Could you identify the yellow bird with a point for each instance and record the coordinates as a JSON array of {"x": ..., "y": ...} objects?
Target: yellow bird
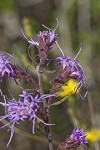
[{"x": 70, "y": 87}]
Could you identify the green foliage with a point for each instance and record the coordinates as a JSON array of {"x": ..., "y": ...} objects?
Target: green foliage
[
  {"x": 72, "y": 17},
  {"x": 95, "y": 7},
  {"x": 34, "y": 24},
  {"x": 7, "y": 5}
]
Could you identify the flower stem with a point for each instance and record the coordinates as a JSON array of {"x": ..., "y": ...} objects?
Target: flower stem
[{"x": 46, "y": 109}]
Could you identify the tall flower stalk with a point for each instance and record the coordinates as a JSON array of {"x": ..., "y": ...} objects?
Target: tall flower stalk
[{"x": 35, "y": 106}]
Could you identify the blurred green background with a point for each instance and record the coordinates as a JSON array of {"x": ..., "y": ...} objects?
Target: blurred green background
[{"x": 79, "y": 21}]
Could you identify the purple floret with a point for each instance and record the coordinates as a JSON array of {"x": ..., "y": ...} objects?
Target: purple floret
[
  {"x": 78, "y": 135},
  {"x": 70, "y": 68},
  {"x": 6, "y": 66},
  {"x": 27, "y": 107},
  {"x": 46, "y": 39},
  {"x": 77, "y": 138}
]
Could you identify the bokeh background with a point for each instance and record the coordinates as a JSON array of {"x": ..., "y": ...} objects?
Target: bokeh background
[{"x": 79, "y": 21}]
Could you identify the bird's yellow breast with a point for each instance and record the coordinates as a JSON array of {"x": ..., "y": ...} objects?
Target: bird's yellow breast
[{"x": 70, "y": 87}]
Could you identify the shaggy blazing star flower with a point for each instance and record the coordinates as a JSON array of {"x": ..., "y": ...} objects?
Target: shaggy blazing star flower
[
  {"x": 15, "y": 111},
  {"x": 6, "y": 66},
  {"x": 46, "y": 39},
  {"x": 78, "y": 137},
  {"x": 51, "y": 37},
  {"x": 26, "y": 107},
  {"x": 72, "y": 75},
  {"x": 71, "y": 68},
  {"x": 70, "y": 78}
]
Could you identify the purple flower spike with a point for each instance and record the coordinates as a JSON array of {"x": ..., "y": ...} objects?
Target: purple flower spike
[
  {"x": 78, "y": 137},
  {"x": 73, "y": 68},
  {"x": 46, "y": 40},
  {"x": 6, "y": 66},
  {"x": 16, "y": 111},
  {"x": 27, "y": 107},
  {"x": 69, "y": 69},
  {"x": 44, "y": 43},
  {"x": 50, "y": 37}
]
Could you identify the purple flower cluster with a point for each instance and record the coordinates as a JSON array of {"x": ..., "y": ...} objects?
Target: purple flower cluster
[
  {"x": 26, "y": 107},
  {"x": 44, "y": 43},
  {"x": 5, "y": 66},
  {"x": 46, "y": 39},
  {"x": 78, "y": 137},
  {"x": 70, "y": 68}
]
